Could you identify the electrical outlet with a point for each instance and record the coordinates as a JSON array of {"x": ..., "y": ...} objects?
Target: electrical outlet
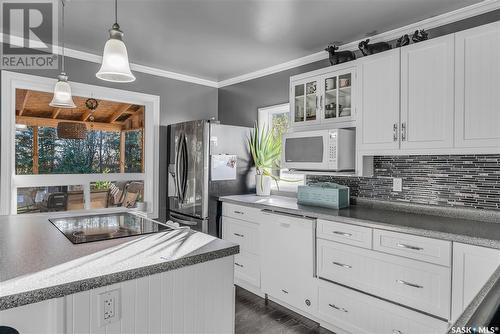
[
  {"x": 108, "y": 307},
  {"x": 397, "y": 184}
]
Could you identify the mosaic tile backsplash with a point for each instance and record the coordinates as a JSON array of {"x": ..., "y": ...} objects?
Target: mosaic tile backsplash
[{"x": 446, "y": 180}]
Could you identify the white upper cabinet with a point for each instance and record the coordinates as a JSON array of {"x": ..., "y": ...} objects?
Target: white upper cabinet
[
  {"x": 304, "y": 101},
  {"x": 378, "y": 120},
  {"x": 477, "y": 101},
  {"x": 427, "y": 91},
  {"x": 325, "y": 96}
]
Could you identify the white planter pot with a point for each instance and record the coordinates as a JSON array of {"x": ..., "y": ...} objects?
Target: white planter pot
[
  {"x": 263, "y": 185},
  {"x": 141, "y": 206}
]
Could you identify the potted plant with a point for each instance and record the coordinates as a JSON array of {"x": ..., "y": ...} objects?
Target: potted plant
[
  {"x": 139, "y": 203},
  {"x": 265, "y": 148}
]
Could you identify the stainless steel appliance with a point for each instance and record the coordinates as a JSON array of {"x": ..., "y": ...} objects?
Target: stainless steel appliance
[
  {"x": 324, "y": 150},
  {"x": 206, "y": 160},
  {"x": 84, "y": 229}
]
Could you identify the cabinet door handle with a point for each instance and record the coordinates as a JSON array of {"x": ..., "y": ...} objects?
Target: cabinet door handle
[
  {"x": 338, "y": 308},
  {"x": 239, "y": 265},
  {"x": 239, "y": 212},
  {"x": 342, "y": 265},
  {"x": 239, "y": 235},
  {"x": 403, "y": 131},
  {"x": 413, "y": 285},
  {"x": 410, "y": 247},
  {"x": 345, "y": 234},
  {"x": 321, "y": 102},
  {"x": 395, "y": 132},
  {"x": 284, "y": 291}
]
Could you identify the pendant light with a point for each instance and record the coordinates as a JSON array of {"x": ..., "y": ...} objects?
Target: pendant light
[
  {"x": 62, "y": 90},
  {"x": 115, "y": 66}
]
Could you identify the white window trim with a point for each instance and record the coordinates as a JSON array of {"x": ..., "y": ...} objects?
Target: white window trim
[
  {"x": 264, "y": 117},
  {"x": 264, "y": 114},
  {"x": 9, "y": 181}
]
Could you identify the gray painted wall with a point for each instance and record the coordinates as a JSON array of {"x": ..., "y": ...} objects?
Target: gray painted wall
[
  {"x": 238, "y": 103},
  {"x": 179, "y": 101}
]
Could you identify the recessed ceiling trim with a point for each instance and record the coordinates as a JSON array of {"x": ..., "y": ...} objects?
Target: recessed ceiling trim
[{"x": 432, "y": 22}]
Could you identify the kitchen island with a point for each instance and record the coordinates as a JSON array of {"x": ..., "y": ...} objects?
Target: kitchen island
[{"x": 177, "y": 281}]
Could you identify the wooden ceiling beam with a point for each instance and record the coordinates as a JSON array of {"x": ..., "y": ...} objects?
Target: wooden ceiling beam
[
  {"x": 52, "y": 123},
  {"x": 118, "y": 113},
  {"x": 86, "y": 115},
  {"x": 25, "y": 100},
  {"x": 55, "y": 113}
]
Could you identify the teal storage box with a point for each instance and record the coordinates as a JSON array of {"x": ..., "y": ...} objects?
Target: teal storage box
[{"x": 324, "y": 194}]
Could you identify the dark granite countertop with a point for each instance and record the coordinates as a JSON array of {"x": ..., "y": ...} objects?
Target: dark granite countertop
[
  {"x": 369, "y": 214},
  {"x": 38, "y": 262}
]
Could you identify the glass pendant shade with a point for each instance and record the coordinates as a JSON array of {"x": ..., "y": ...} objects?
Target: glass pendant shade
[
  {"x": 62, "y": 93},
  {"x": 115, "y": 66}
]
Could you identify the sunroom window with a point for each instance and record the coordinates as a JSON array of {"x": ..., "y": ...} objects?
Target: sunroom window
[{"x": 89, "y": 157}]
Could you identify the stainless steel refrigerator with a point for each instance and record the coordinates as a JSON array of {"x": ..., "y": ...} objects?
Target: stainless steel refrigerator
[{"x": 206, "y": 160}]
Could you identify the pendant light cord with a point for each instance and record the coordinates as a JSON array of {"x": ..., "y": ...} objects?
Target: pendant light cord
[
  {"x": 62, "y": 1},
  {"x": 116, "y": 11}
]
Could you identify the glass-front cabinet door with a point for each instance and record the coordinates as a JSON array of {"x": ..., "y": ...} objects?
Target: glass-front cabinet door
[
  {"x": 338, "y": 97},
  {"x": 305, "y": 102}
]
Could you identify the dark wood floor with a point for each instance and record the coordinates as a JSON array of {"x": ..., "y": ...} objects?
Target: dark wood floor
[{"x": 253, "y": 316}]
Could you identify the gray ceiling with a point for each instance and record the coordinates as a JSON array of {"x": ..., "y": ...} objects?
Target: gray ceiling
[{"x": 221, "y": 39}]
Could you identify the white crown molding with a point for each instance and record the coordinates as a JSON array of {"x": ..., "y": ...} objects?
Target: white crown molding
[
  {"x": 93, "y": 58},
  {"x": 140, "y": 68},
  {"x": 432, "y": 22}
]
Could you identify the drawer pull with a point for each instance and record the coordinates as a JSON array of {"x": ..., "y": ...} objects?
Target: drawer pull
[
  {"x": 284, "y": 291},
  {"x": 410, "y": 247},
  {"x": 345, "y": 234},
  {"x": 238, "y": 212},
  {"x": 239, "y": 265},
  {"x": 239, "y": 235},
  {"x": 396, "y": 331},
  {"x": 342, "y": 265},
  {"x": 413, "y": 285},
  {"x": 338, "y": 308}
]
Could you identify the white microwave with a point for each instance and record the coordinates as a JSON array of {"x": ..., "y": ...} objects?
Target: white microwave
[{"x": 322, "y": 150}]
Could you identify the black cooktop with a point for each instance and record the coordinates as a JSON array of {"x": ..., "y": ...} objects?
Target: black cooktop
[{"x": 107, "y": 226}]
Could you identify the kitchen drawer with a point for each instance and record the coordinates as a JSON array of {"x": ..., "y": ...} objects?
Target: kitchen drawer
[
  {"x": 241, "y": 212},
  {"x": 412, "y": 246},
  {"x": 345, "y": 233},
  {"x": 358, "y": 313},
  {"x": 241, "y": 232},
  {"x": 247, "y": 268},
  {"x": 420, "y": 285}
]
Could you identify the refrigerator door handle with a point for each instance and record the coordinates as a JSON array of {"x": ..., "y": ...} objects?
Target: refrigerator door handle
[
  {"x": 177, "y": 219},
  {"x": 177, "y": 171},
  {"x": 184, "y": 167}
]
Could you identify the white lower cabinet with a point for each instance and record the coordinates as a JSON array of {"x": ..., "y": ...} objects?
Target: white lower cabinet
[
  {"x": 420, "y": 285},
  {"x": 247, "y": 268},
  {"x": 288, "y": 261},
  {"x": 358, "y": 313},
  {"x": 244, "y": 231},
  {"x": 472, "y": 267}
]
